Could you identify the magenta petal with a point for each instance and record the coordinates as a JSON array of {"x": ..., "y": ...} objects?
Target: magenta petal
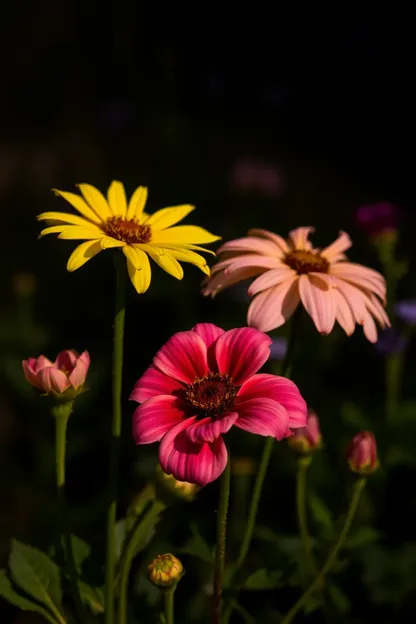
[
  {"x": 155, "y": 417},
  {"x": 191, "y": 462},
  {"x": 66, "y": 359},
  {"x": 183, "y": 357},
  {"x": 208, "y": 332},
  {"x": 53, "y": 380},
  {"x": 241, "y": 352},
  {"x": 280, "y": 389},
  {"x": 263, "y": 417},
  {"x": 153, "y": 383},
  {"x": 208, "y": 430}
]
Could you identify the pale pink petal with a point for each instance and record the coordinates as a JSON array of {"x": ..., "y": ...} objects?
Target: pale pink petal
[
  {"x": 246, "y": 261},
  {"x": 273, "y": 277},
  {"x": 369, "y": 327},
  {"x": 154, "y": 383},
  {"x": 319, "y": 303},
  {"x": 29, "y": 371},
  {"x": 263, "y": 417},
  {"x": 273, "y": 307},
  {"x": 278, "y": 240},
  {"x": 354, "y": 298},
  {"x": 360, "y": 276},
  {"x": 53, "y": 380},
  {"x": 43, "y": 362},
  {"x": 208, "y": 430},
  {"x": 66, "y": 360},
  {"x": 79, "y": 374},
  {"x": 155, "y": 417},
  {"x": 219, "y": 281},
  {"x": 241, "y": 352},
  {"x": 183, "y": 357},
  {"x": 189, "y": 461},
  {"x": 343, "y": 313},
  {"x": 208, "y": 332},
  {"x": 299, "y": 237},
  {"x": 281, "y": 390},
  {"x": 374, "y": 306},
  {"x": 332, "y": 252},
  {"x": 250, "y": 244}
]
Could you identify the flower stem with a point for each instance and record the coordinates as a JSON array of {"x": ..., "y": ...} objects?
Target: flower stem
[
  {"x": 358, "y": 487},
  {"x": 169, "y": 593},
  {"x": 62, "y": 412},
  {"x": 221, "y": 537},
  {"x": 303, "y": 464},
  {"x": 393, "y": 374},
  {"x": 140, "y": 532},
  {"x": 115, "y": 436}
]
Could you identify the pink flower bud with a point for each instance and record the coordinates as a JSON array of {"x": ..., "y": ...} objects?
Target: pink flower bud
[
  {"x": 68, "y": 372},
  {"x": 307, "y": 439},
  {"x": 362, "y": 453}
]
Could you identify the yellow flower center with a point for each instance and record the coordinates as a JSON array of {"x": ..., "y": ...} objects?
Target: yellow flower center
[
  {"x": 129, "y": 231},
  {"x": 212, "y": 394},
  {"x": 306, "y": 262}
]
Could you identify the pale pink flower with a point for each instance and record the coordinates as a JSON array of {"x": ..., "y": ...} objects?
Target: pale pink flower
[
  {"x": 307, "y": 439},
  {"x": 291, "y": 272},
  {"x": 362, "y": 453},
  {"x": 68, "y": 371},
  {"x": 200, "y": 384}
]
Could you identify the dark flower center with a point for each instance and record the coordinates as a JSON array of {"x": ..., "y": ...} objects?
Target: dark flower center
[
  {"x": 127, "y": 230},
  {"x": 306, "y": 262},
  {"x": 211, "y": 394}
]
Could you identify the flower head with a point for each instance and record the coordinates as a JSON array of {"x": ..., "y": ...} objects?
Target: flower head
[
  {"x": 200, "y": 384},
  {"x": 63, "y": 378},
  {"x": 291, "y": 272},
  {"x": 165, "y": 570},
  {"x": 107, "y": 223},
  {"x": 180, "y": 489},
  {"x": 406, "y": 311},
  {"x": 378, "y": 219},
  {"x": 307, "y": 439},
  {"x": 362, "y": 453}
]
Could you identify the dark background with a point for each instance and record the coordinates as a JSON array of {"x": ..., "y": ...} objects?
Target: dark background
[{"x": 174, "y": 98}]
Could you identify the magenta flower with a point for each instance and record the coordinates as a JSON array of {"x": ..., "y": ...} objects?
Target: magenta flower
[
  {"x": 376, "y": 219},
  {"x": 362, "y": 453},
  {"x": 309, "y": 438},
  {"x": 69, "y": 371},
  {"x": 200, "y": 384}
]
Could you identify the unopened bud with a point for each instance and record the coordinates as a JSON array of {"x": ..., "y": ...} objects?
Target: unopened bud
[
  {"x": 181, "y": 489},
  {"x": 307, "y": 439},
  {"x": 165, "y": 571},
  {"x": 362, "y": 453}
]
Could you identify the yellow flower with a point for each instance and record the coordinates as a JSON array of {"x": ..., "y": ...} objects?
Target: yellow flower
[{"x": 112, "y": 222}]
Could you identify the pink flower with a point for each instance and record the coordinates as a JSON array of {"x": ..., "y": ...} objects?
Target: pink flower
[
  {"x": 69, "y": 371},
  {"x": 291, "y": 272},
  {"x": 200, "y": 384},
  {"x": 362, "y": 453},
  {"x": 307, "y": 439}
]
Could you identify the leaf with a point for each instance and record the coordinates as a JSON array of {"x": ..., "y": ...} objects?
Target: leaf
[
  {"x": 120, "y": 534},
  {"x": 8, "y": 593},
  {"x": 312, "y": 604},
  {"x": 263, "y": 579},
  {"x": 37, "y": 575},
  {"x": 362, "y": 537},
  {"x": 353, "y": 415},
  {"x": 320, "y": 511},
  {"x": 198, "y": 547},
  {"x": 81, "y": 550},
  {"x": 339, "y": 598},
  {"x": 92, "y": 596}
]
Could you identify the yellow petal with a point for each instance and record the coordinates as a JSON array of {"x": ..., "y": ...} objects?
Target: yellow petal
[
  {"x": 140, "y": 279},
  {"x": 77, "y": 202},
  {"x": 96, "y": 200},
  {"x": 184, "y": 234},
  {"x": 107, "y": 242},
  {"x": 74, "y": 232},
  {"x": 184, "y": 255},
  {"x": 166, "y": 262},
  {"x": 134, "y": 256},
  {"x": 194, "y": 247},
  {"x": 137, "y": 203},
  {"x": 62, "y": 217},
  {"x": 117, "y": 199},
  {"x": 82, "y": 254},
  {"x": 166, "y": 217},
  {"x": 54, "y": 229}
]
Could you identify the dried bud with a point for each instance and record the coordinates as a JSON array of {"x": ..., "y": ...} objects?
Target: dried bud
[
  {"x": 165, "y": 571},
  {"x": 243, "y": 466},
  {"x": 307, "y": 439},
  {"x": 362, "y": 453},
  {"x": 181, "y": 489}
]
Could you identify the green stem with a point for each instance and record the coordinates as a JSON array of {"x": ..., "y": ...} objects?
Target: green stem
[
  {"x": 62, "y": 412},
  {"x": 358, "y": 487},
  {"x": 115, "y": 436},
  {"x": 169, "y": 593},
  {"x": 221, "y": 539},
  {"x": 141, "y": 531},
  {"x": 393, "y": 372},
  {"x": 303, "y": 464}
]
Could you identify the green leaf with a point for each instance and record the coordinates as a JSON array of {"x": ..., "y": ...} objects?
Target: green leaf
[
  {"x": 8, "y": 593},
  {"x": 120, "y": 534},
  {"x": 362, "y": 537},
  {"x": 198, "y": 547},
  {"x": 37, "y": 575},
  {"x": 340, "y": 600},
  {"x": 312, "y": 604},
  {"x": 263, "y": 579},
  {"x": 320, "y": 511},
  {"x": 92, "y": 596},
  {"x": 353, "y": 415},
  {"x": 81, "y": 550}
]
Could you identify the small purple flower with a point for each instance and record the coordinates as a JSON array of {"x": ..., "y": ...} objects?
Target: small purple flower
[
  {"x": 406, "y": 311},
  {"x": 391, "y": 341},
  {"x": 278, "y": 349},
  {"x": 378, "y": 218}
]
